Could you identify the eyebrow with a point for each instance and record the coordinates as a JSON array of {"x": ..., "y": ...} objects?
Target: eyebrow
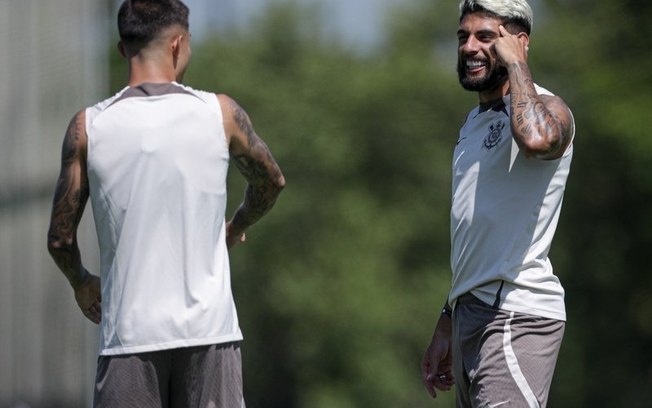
[{"x": 477, "y": 33}]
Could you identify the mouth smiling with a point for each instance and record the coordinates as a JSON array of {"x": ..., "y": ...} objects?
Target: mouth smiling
[{"x": 474, "y": 66}]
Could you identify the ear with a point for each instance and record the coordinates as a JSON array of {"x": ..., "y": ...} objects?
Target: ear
[
  {"x": 176, "y": 45},
  {"x": 176, "y": 48},
  {"x": 121, "y": 49},
  {"x": 524, "y": 38}
]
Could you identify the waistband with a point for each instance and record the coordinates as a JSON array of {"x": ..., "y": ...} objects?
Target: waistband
[{"x": 470, "y": 299}]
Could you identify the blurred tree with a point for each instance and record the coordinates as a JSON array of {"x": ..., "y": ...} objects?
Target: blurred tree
[
  {"x": 596, "y": 54},
  {"x": 338, "y": 289}
]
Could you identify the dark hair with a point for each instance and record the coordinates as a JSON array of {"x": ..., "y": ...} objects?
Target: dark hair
[
  {"x": 516, "y": 15},
  {"x": 140, "y": 21}
]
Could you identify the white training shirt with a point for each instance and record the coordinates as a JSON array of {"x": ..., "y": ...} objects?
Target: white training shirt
[
  {"x": 504, "y": 213},
  {"x": 157, "y": 165}
]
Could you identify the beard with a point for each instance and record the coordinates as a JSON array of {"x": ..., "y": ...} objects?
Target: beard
[{"x": 493, "y": 79}]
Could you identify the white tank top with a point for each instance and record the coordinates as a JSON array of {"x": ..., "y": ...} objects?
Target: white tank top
[
  {"x": 157, "y": 166},
  {"x": 504, "y": 213}
]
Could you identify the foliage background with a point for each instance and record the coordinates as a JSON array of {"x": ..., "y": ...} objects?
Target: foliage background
[{"x": 339, "y": 287}]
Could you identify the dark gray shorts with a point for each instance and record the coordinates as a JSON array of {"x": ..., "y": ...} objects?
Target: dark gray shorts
[
  {"x": 193, "y": 377},
  {"x": 500, "y": 358}
]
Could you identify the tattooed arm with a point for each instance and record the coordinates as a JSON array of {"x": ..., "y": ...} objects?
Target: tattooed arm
[
  {"x": 542, "y": 125},
  {"x": 70, "y": 197},
  {"x": 254, "y": 160}
]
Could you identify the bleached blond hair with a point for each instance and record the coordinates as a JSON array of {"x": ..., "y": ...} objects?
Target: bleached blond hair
[{"x": 517, "y": 12}]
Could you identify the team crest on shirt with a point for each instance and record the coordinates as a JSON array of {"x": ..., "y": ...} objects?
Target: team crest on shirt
[{"x": 495, "y": 135}]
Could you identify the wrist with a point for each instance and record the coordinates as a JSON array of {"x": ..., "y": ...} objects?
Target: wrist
[
  {"x": 79, "y": 278},
  {"x": 517, "y": 65},
  {"x": 240, "y": 221},
  {"x": 445, "y": 323}
]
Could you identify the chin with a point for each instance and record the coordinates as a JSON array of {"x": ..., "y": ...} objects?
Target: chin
[
  {"x": 482, "y": 84},
  {"x": 492, "y": 78},
  {"x": 477, "y": 85}
]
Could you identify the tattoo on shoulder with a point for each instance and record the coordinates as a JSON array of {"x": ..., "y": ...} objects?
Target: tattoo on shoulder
[
  {"x": 243, "y": 121},
  {"x": 73, "y": 136}
]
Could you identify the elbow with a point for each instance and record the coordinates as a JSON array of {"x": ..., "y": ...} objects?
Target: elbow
[
  {"x": 279, "y": 183},
  {"x": 539, "y": 152},
  {"x": 275, "y": 186},
  {"x": 58, "y": 244},
  {"x": 542, "y": 147}
]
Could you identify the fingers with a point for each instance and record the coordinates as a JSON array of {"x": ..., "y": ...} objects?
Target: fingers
[
  {"x": 427, "y": 377},
  {"x": 94, "y": 312},
  {"x": 434, "y": 381},
  {"x": 88, "y": 297},
  {"x": 232, "y": 241},
  {"x": 436, "y": 371},
  {"x": 433, "y": 375},
  {"x": 510, "y": 48},
  {"x": 444, "y": 380}
]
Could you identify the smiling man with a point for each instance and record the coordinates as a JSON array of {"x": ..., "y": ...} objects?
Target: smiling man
[{"x": 499, "y": 333}]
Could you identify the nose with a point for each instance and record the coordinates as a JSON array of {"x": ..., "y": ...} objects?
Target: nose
[{"x": 470, "y": 46}]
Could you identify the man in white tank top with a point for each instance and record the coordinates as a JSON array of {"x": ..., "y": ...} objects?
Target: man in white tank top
[
  {"x": 153, "y": 159},
  {"x": 498, "y": 336}
]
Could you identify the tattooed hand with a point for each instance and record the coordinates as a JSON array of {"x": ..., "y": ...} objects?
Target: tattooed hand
[{"x": 510, "y": 48}]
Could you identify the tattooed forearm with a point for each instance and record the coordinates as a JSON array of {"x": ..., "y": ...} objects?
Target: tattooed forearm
[
  {"x": 253, "y": 208},
  {"x": 70, "y": 197},
  {"x": 261, "y": 192},
  {"x": 68, "y": 200},
  {"x": 535, "y": 127},
  {"x": 258, "y": 165},
  {"x": 254, "y": 160}
]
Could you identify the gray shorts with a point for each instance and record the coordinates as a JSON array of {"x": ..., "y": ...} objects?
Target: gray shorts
[
  {"x": 193, "y": 377},
  {"x": 500, "y": 358}
]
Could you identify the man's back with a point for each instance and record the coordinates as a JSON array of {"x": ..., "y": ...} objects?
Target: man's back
[
  {"x": 153, "y": 160},
  {"x": 157, "y": 164}
]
